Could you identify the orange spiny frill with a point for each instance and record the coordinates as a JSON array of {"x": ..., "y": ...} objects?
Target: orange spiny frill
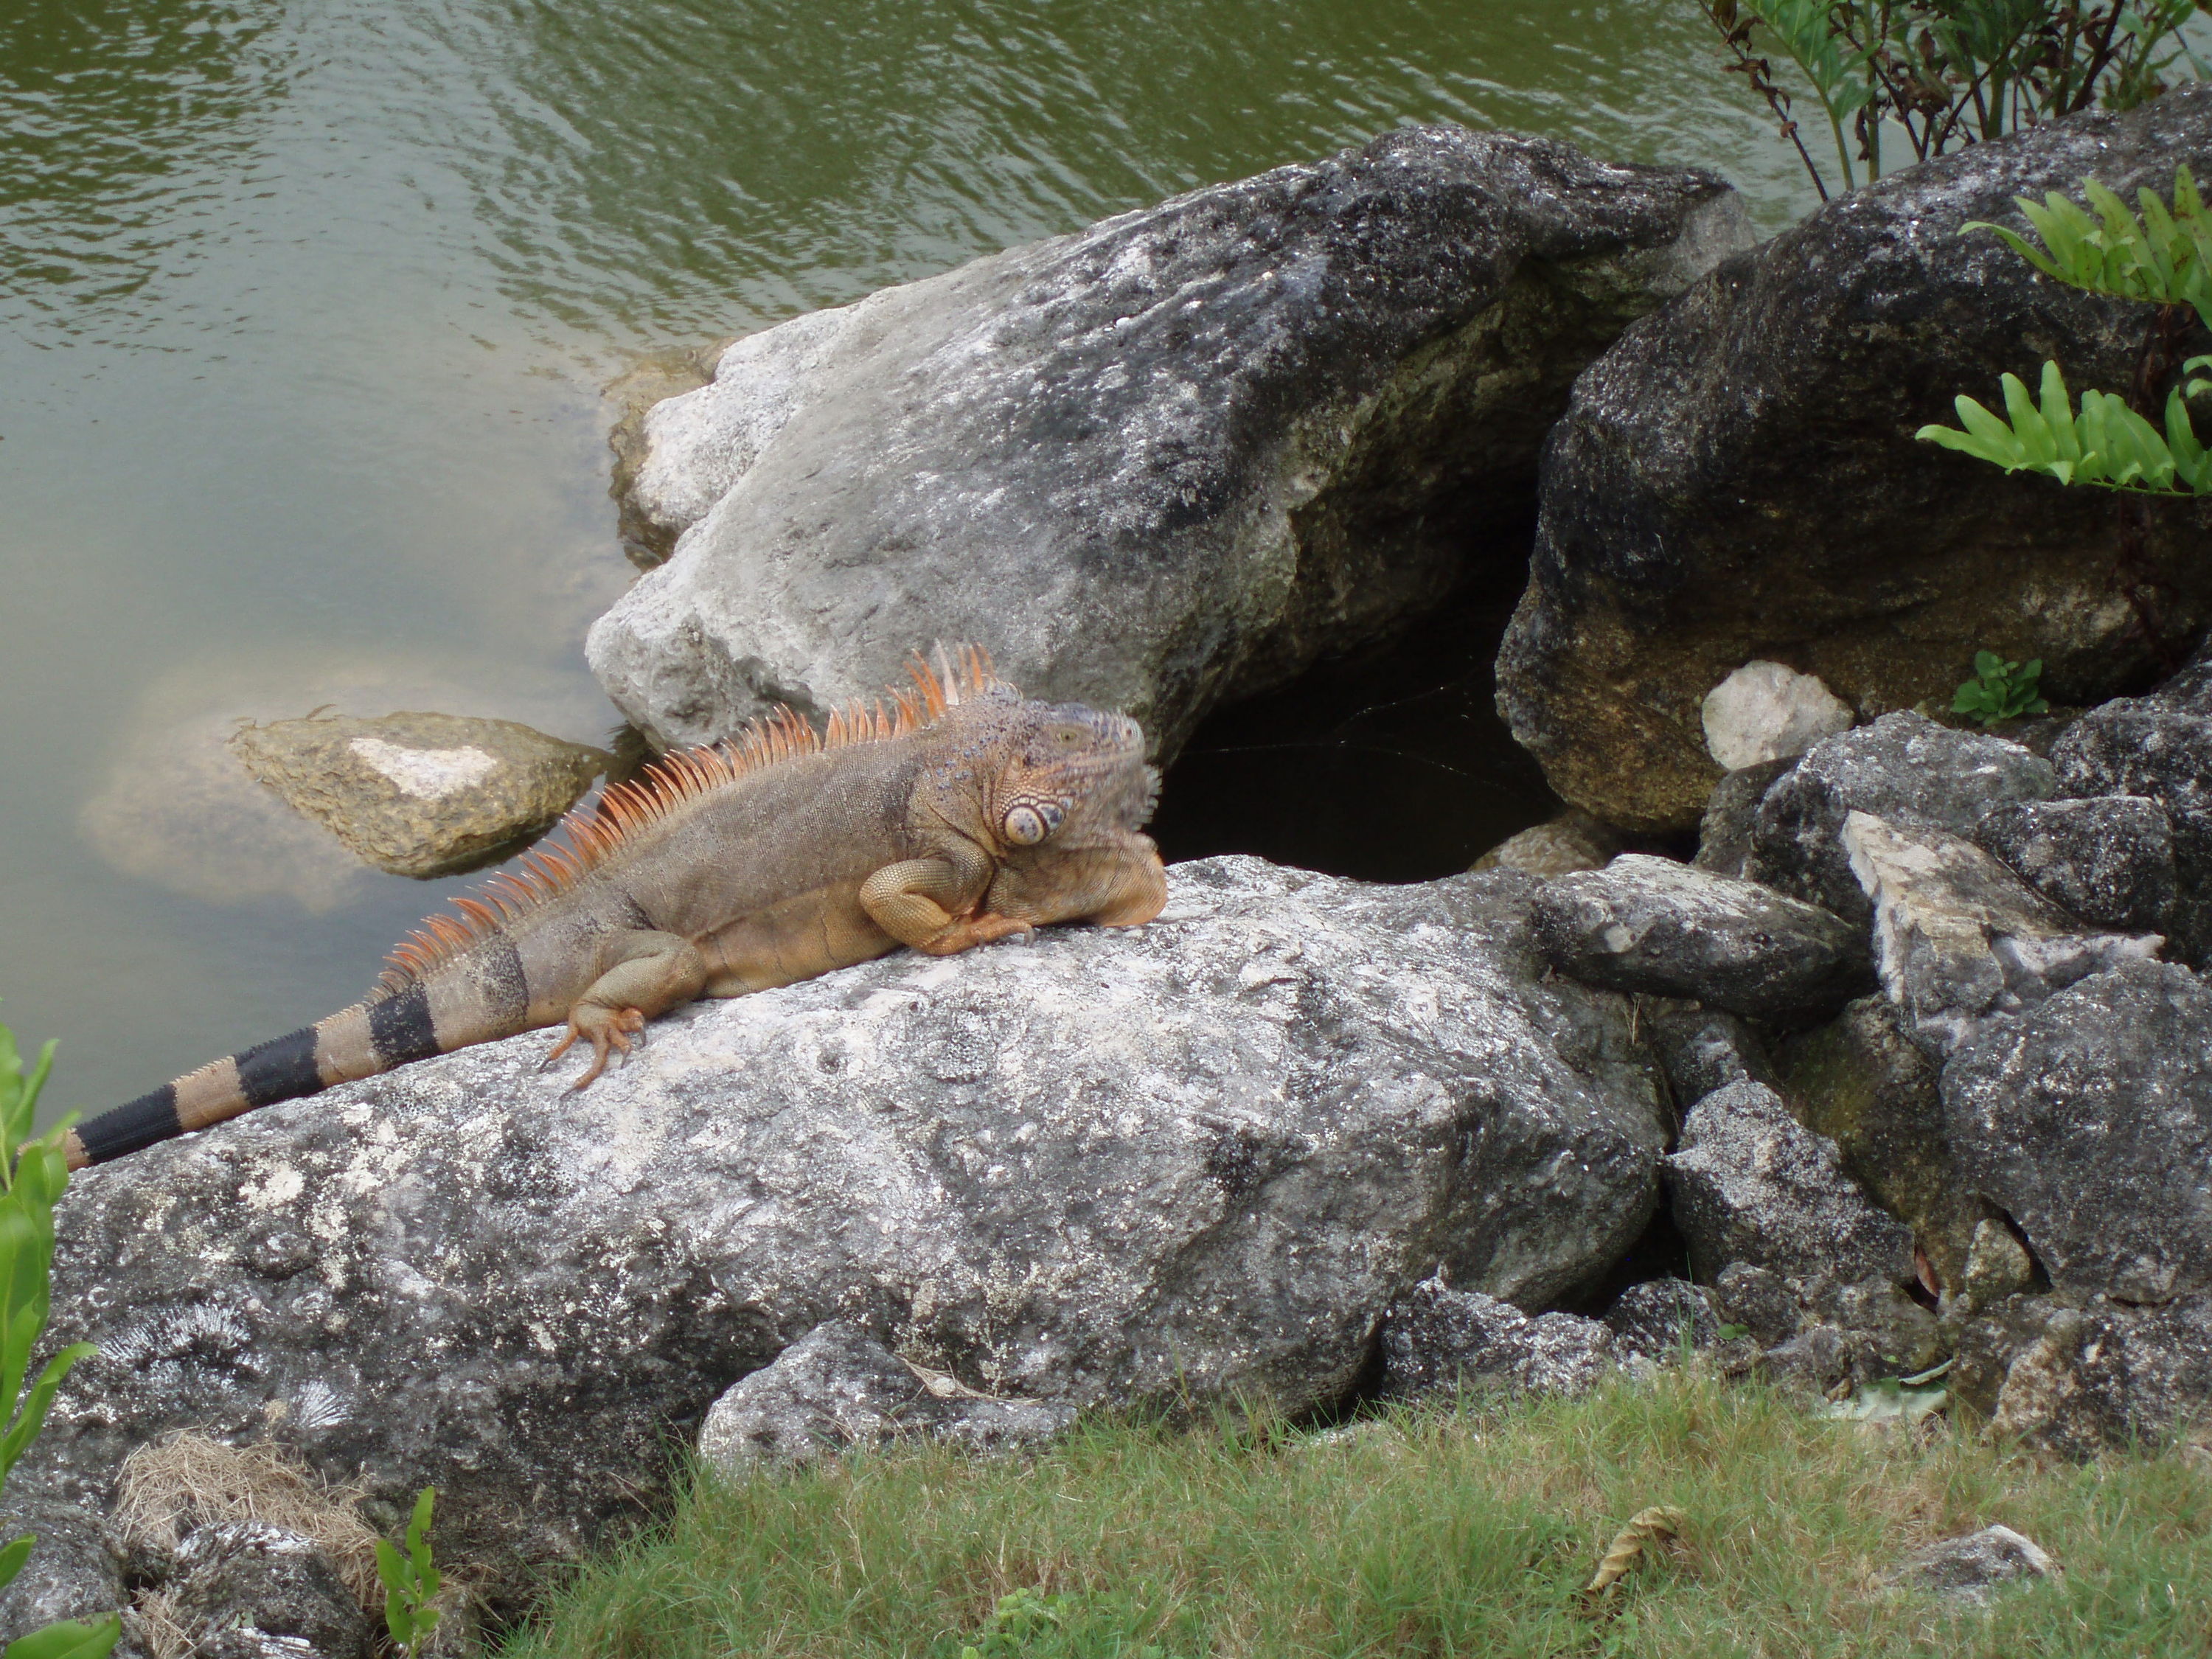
[{"x": 595, "y": 833}]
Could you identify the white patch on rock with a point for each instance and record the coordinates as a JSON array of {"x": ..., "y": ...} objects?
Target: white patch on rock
[
  {"x": 1766, "y": 711},
  {"x": 425, "y": 774}
]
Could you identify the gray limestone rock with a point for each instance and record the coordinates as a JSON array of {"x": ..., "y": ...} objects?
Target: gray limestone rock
[
  {"x": 421, "y": 795},
  {"x": 2108, "y": 860},
  {"x": 247, "y": 1579},
  {"x": 1573, "y": 841},
  {"x": 1862, "y": 1082},
  {"x": 1651, "y": 924},
  {"x": 1657, "y": 1318},
  {"x": 2080, "y": 1376},
  {"x": 1701, "y": 1049},
  {"x": 838, "y": 1388},
  {"x": 1750, "y": 1183},
  {"x": 1437, "y": 1337},
  {"x": 1759, "y": 1300},
  {"x": 2159, "y": 748},
  {"x": 1739, "y": 477},
  {"x": 1905, "y": 769},
  {"x": 1973, "y": 1568},
  {"x": 1194, "y": 1160},
  {"x": 1731, "y": 814},
  {"x": 1167, "y": 461},
  {"x": 1958, "y": 938},
  {"x": 2087, "y": 1120}
]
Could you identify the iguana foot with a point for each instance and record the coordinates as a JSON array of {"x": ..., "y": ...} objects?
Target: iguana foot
[
  {"x": 605, "y": 1030},
  {"x": 974, "y": 931}
]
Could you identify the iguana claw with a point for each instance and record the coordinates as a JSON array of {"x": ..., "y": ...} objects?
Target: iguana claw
[{"x": 605, "y": 1029}]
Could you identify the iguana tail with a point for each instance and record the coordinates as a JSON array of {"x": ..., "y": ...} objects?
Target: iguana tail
[{"x": 363, "y": 1041}]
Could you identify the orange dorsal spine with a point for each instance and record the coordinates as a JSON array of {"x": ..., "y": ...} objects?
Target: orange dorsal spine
[{"x": 595, "y": 833}]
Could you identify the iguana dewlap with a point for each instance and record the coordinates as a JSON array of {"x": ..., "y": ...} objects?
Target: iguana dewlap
[{"x": 957, "y": 815}]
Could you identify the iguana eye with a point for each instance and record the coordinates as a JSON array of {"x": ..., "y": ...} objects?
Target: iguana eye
[{"x": 1026, "y": 825}]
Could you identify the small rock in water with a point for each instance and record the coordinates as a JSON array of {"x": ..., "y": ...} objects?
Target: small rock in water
[
  {"x": 417, "y": 794},
  {"x": 1766, "y": 711},
  {"x": 1971, "y": 1568},
  {"x": 1573, "y": 841},
  {"x": 837, "y": 1388},
  {"x": 1672, "y": 930},
  {"x": 2109, "y": 860}
]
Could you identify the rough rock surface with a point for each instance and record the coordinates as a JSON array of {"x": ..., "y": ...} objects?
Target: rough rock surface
[
  {"x": 1656, "y": 1318},
  {"x": 1701, "y": 1049},
  {"x": 1731, "y": 814},
  {"x": 1168, "y": 459},
  {"x": 1904, "y": 768},
  {"x": 2109, "y": 861},
  {"x": 1958, "y": 938},
  {"x": 2158, "y": 747},
  {"x": 2080, "y": 1376},
  {"x": 1738, "y": 477},
  {"x": 249, "y": 1579},
  {"x": 1767, "y": 711},
  {"x": 1199, "y": 1158},
  {"x": 1572, "y": 842},
  {"x": 2088, "y": 1120},
  {"x": 1437, "y": 1337},
  {"x": 837, "y": 1388},
  {"x": 1864, "y": 1084},
  {"x": 421, "y": 795},
  {"x": 1751, "y": 1184},
  {"x": 1651, "y": 924},
  {"x": 1971, "y": 1569}
]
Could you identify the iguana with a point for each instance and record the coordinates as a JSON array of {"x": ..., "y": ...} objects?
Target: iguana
[{"x": 957, "y": 815}]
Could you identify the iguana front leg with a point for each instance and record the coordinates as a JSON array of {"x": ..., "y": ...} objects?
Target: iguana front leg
[
  {"x": 1114, "y": 883},
  {"x": 930, "y": 903},
  {"x": 649, "y": 972}
]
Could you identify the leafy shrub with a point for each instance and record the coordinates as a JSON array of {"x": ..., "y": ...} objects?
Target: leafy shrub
[
  {"x": 1948, "y": 73},
  {"x": 33, "y": 1174},
  {"x": 2107, "y": 444}
]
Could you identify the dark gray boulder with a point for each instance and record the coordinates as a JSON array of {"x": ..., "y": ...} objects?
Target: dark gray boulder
[
  {"x": 837, "y": 1388},
  {"x": 264, "y": 1590},
  {"x": 2088, "y": 1120},
  {"x": 1658, "y": 1319},
  {"x": 2159, "y": 748},
  {"x": 1738, "y": 478},
  {"x": 1194, "y": 1160},
  {"x": 1904, "y": 768},
  {"x": 1758, "y": 1299},
  {"x": 1959, "y": 938},
  {"x": 1731, "y": 813},
  {"x": 1666, "y": 929},
  {"x": 2084, "y": 1375},
  {"x": 1862, "y": 1082},
  {"x": 1750, "y": 1183},
  {"x": 1436, "y": 1338},
  {"x": 1167, "y": 461},
  {"x": 1701, "y": 1049},
  {"x": 2109, "y": 861}
]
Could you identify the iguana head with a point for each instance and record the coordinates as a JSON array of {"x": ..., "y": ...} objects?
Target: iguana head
[{"x": 1063, "y": 771}]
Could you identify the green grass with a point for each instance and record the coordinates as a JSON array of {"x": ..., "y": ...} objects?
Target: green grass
[{"x": 1430, "y": 1533}]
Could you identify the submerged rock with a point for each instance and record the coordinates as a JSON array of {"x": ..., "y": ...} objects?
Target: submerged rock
[
  {"x": 1739, "y": 477},
  {"x": 1194, "y": 1160},
  {"x": 1651, "y": 924},
  {"x": 417, "y": 794},
  {"x": 1167, "y": 461}
]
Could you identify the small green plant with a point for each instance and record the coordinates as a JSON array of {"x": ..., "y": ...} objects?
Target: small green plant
[
  {"x": 410, "y": 1580},
  {"x": 2001, "y": 690},
  {"x": 33, "y": 1173},
  {"x": 2107, "y": 444}
]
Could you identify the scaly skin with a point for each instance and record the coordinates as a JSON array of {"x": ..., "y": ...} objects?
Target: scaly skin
[{"x": 967, "y": 815}]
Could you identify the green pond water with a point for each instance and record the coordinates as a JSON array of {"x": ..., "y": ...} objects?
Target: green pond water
[{"x": 305, "y": 305}]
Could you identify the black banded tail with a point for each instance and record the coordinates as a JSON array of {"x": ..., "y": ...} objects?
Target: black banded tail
[{"x": 360, "y": 1042}]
